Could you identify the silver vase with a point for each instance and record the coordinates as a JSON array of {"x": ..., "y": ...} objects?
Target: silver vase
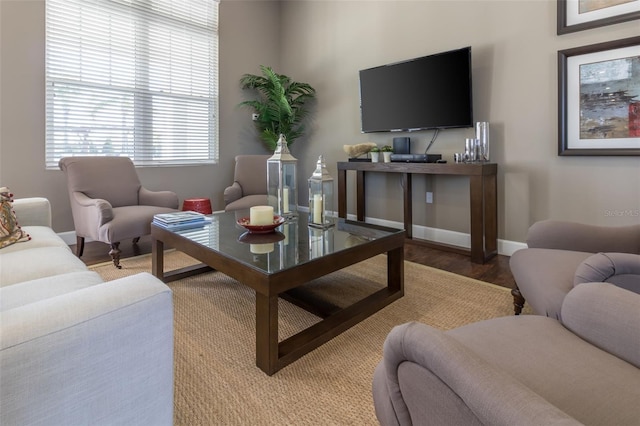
[{"x": 482, "y": 134}]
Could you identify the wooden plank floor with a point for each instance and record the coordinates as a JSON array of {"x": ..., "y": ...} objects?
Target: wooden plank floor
[{"x": 495, "y": 271}]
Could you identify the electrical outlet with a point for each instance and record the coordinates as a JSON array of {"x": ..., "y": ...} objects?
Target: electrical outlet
[
  {"x": 429, "y": 197},
  {"x": 255, "y": 116}
]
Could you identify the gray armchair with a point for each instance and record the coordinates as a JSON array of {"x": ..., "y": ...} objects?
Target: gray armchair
[
  {"x": 249, "y": 186},
  {"x": 108, "y": 202},
  {"x": 518, "y": 370},
  {"x": 558, "y": 250}
]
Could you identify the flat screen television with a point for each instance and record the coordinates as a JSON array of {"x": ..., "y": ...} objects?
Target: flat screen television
[{"x": 431, "y": 92}]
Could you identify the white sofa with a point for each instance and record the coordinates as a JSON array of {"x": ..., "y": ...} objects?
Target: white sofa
[{"x": 75, "y": 350}]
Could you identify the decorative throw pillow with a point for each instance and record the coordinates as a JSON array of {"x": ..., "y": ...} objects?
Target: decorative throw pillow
[{"x": 10, "y": 231}]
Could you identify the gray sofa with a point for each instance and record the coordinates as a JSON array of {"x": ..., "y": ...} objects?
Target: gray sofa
[
  {"x": 519, "y": 370},
  {"x": 75, "y": 350},
  {"x": 559, "y": 252}
]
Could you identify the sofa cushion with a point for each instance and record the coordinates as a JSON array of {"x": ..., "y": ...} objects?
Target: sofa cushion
[
  {"x": 41, "y": 236},
  {"x": 26, "y": 265},
  {"x": 607, "y": 316},
  {"x": 26, "y": 292},
  {"x": 589, "y": 384},
  {"x": 10, "y": 231}
]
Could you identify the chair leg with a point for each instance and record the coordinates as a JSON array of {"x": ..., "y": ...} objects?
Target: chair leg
[
  {"x": 518, "y": 300},
  {"x": 79, "y": 246},
  {"x": 115, "y": 254}
]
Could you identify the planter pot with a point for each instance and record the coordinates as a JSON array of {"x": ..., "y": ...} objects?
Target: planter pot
[
  {"x": 387, "y": 157},
  {"x": 375, "y": 157}
]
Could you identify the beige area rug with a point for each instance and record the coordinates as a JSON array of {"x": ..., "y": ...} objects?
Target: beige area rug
[{"x": 217, "y": 382}]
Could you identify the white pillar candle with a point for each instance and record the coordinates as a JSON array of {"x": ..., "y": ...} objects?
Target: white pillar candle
[
  {"x": 261, "y": 215},
  {"x": 317, "y": 208},
  {"x": 285, "y": 200},
  {"x": 261, "y": 248}
]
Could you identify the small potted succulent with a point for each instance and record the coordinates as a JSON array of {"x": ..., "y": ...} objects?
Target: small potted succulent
[
  {"x": 386, "y": 152},
  {"x": 375, "y": 154}
]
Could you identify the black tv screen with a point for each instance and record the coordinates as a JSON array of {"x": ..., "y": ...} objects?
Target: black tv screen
[{"x": 432, "y": 92}]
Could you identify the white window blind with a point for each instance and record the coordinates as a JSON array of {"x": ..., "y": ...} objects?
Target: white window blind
[{"x": 135, "y": 78}]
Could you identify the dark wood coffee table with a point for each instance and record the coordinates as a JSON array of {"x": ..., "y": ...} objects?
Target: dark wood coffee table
[{"x": 273, "y": 264}]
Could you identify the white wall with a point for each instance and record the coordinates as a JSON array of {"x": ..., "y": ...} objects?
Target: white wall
[
  {"x": 514, "y": 45},
  {"x": 325, "y": 43}
]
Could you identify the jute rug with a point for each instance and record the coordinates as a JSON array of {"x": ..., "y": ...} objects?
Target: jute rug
[{"x": 217, "y": 382}]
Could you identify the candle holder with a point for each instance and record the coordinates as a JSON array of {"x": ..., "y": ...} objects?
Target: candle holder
[
  {"x": 281, "y": 181},
  {"x": 320, "y": 196}
]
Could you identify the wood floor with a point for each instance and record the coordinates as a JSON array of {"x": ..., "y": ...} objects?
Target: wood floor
[{"x": 496, "y": 271}]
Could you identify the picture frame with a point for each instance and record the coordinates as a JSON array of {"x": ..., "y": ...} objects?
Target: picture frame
[
  {"x": 578, "y": 15},
  {"x": 599, "y": 99}
]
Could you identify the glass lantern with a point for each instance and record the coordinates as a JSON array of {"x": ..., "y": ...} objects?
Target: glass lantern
[
  {"x": 320, "y": 196},
  {"x": 281, "y": 181}
]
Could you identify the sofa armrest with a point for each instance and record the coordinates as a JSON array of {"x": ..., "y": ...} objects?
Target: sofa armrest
[
  {"x": 563, "y": 235},
  {"x": 607, "y": 316},
  {"x": 493, "y": 396},
  {"x": 99, "y": 355},
  {"x": 167, "y": 199},
  {"x": 232, "y": 193},
  {"x": 33, "y": 211},
  {"x": 621, "y": 269}
]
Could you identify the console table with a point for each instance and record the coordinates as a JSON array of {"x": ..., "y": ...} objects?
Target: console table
[{"x": 482, "y": 192}]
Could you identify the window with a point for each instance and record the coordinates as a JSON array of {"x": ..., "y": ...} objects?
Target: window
[{"x": 137, "y": 78}]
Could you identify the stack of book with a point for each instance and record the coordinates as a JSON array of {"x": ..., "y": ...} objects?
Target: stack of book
[{"x": 179, "y": 220}]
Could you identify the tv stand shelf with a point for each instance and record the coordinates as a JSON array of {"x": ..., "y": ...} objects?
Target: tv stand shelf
[{"x": 482, "y": 192}]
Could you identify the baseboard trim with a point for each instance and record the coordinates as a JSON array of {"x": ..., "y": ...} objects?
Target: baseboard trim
[
  {"x": 441, "y": 236},
  {"x": 444, "y": 236}
]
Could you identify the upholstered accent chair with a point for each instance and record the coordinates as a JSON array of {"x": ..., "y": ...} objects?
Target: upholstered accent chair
[
  {"x": 108, "y": 202},
  {"x": 249, "y": 186},
  {"x": 518, "y": 370},
  {"x": 560, "y": 255}
]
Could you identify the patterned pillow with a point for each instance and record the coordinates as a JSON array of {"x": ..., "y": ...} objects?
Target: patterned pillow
[{"x": 10, "y": 231}]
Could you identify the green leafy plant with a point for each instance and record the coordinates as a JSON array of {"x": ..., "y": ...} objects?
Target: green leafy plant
[
  {"x": 281, "y": 107},
  {"x": 376, "y": 149},
  {"x": 387, "y": 148}
]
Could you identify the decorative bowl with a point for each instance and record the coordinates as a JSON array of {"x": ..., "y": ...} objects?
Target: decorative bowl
[{"x": 261, "y": 229}]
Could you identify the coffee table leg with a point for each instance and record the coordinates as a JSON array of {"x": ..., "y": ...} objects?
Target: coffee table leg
[
  {"x": 267, "y": 333},
  {"x": 157, "y": 258}
]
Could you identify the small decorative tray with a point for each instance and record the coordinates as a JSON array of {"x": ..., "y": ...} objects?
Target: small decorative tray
[{"x": 261, "y": 229}]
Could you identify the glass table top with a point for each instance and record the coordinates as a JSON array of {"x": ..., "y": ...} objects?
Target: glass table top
[{"x": 294, "y": 242}]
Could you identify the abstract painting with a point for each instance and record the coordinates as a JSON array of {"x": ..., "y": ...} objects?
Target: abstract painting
[
  {"x": 578, "y": 15},
  {"x": 599, "y": 99}
]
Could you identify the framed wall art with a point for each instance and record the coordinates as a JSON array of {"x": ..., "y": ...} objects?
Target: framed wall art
[
  {"x": 599, "y": 99},
  {"x": 578, "y": 15}
]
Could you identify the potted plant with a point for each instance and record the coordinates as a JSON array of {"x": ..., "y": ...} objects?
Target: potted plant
[
  {"x": 375, "y": 154},
  {"x": 386, "y": 152},
  {"x": 281, "y": 107}
]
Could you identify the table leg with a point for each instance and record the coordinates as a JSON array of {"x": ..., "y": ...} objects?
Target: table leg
[
  {"x": 360, "y": 192},
  {"x": 157, "y": 258},
  {"x": 408, "y": 204},
  {"x": 342, "y": 194},
  {"x": 267, "y": 333},
  {"x": 490, "y": 216},
  {"x": 476, "y": 193}
]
